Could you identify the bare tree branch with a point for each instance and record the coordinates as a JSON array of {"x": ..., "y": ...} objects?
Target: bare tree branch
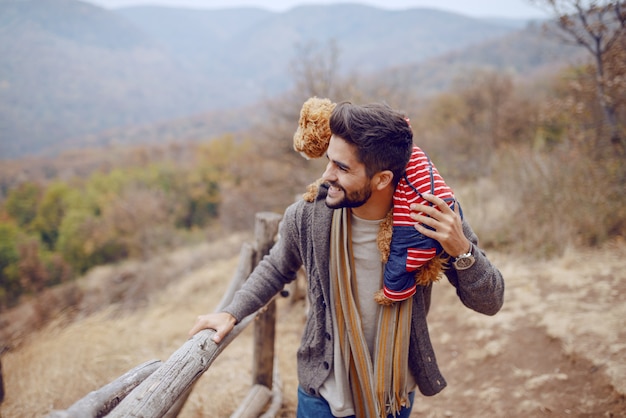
[{"x": 595, "y": 25}]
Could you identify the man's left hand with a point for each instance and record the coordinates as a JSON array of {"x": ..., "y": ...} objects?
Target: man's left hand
[{"x": 445, "y": 223}]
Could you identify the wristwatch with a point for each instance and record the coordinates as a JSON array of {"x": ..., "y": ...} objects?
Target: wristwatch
[{"x": 464, "y": 261}]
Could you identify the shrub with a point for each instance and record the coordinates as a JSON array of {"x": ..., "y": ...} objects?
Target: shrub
[
  {"x": 562, "y": 198},
  {"x": 9, "y": 256}
]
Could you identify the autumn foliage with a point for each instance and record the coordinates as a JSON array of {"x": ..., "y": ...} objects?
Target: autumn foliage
[{"x": 530, "y": 160}]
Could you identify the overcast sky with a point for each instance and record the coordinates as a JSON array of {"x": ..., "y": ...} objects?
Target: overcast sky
[{"x": 475, "y": 8}]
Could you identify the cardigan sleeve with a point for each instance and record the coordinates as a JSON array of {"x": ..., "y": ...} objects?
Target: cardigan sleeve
[
  {"x": 481, "y": 287},
  {"x": 276, "y": 269}
]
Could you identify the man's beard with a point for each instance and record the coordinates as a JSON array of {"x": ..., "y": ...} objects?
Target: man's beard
[{"x": 353, "y": 199}]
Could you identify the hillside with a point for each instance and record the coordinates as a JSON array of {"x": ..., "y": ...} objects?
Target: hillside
[
  {"x": 526, "y": 54},
  {"x": 369, "y": 38},
  {"x": 71, "y": 69},
  {"x": 555, "y": 349}
]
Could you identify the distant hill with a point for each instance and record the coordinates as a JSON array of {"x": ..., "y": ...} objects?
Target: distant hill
[
  {"x": 70, "y": 70},
  {"x": 251, "y": 49},
  {"x": 524, "y": 54}
]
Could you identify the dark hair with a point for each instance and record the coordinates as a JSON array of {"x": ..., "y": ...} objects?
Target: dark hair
[{"x": 382, "y": 136}]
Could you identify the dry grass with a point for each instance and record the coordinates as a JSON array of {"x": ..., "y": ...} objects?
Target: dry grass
[
  {"x": 61, "y": 363},
  {"x": 68, "y": 362}
]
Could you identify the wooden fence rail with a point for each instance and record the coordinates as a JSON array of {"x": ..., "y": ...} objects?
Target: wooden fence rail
[{"x": 159, "y": 390}]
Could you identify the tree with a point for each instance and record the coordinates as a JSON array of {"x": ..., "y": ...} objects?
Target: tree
[
  {"x": 9, "y": 258},
  {"x": 75, "y": 243},
  {"x": 482, "y": 113},
  {"x": 596, "y": 25},
  {"x": 315, "y": 68},
  {"x": 22, "y": 202},
  {"x": 34, "y": 275},
  {"x": 50, "y": 213}
]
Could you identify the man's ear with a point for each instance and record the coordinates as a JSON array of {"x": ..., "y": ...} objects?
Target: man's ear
[{"x": 383, "y": 179}]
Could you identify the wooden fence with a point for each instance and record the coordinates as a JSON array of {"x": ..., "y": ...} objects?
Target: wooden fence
[{"x": 158, "y": 389}]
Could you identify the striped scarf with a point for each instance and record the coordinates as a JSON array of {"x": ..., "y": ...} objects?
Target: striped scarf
[{"x": 378, "y": 387}]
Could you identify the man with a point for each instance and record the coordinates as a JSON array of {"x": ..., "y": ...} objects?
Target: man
[{"x": 358, "y": 358}]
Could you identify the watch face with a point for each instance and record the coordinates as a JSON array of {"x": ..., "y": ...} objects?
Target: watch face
[{"x": 464, "y": 262}]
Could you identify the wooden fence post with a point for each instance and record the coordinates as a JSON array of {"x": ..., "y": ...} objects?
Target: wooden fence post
[
  {"x": 263, "y": 356},
  {"x": 266, "y": 227}
]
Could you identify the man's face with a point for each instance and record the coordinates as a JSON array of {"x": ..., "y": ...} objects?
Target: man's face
[{"x": 350, "y": 187}]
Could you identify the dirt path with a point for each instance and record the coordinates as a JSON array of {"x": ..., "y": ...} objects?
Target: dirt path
[
  {"x": 557, "y": 348},
  {"x": 532, "y": 359}
]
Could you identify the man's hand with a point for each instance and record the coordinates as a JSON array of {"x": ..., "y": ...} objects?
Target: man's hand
[
  {"x": 221, "y": 322},
  {"x": 446, "y": 224}
]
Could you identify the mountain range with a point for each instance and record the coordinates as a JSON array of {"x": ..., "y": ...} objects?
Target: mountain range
[{"x": 69, "y": 69}]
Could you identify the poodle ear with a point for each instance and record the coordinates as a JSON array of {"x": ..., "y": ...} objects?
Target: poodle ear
[{"x": 313, "y": 134}]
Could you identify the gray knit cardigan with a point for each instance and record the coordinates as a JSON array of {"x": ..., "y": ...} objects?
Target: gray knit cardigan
[{"x": 305, "y": 241}]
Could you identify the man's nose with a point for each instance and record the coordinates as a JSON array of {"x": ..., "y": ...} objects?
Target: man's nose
[{"x": 329, "y": 173}]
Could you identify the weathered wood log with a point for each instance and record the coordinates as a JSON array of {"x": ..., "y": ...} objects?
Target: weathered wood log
[
  {"x": 154, "y": 397},
  {"x": 277, "y": 396},
  {"x": 254, "y": 403},
  {"x": 257, "y": 403},
  {"x": 247, "y": 260},
  {"x": 100, "y": 402},
  {"x": 178, "y": 405},
  {"x": 266, "y": 228}
]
